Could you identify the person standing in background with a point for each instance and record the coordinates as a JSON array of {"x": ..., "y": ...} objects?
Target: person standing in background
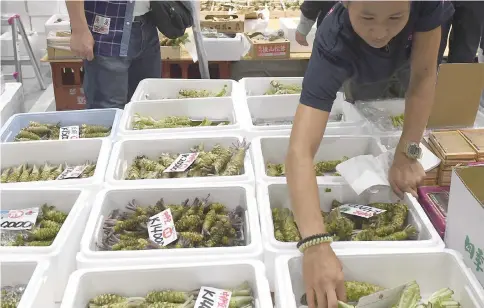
[
  {"x": 467, "y": 26},
  {"x": 310, "y": 12},
  {"x": 119, "y": 44}
]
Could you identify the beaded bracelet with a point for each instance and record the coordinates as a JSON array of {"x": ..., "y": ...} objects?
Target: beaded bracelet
[{"x": 314, "y": 240}]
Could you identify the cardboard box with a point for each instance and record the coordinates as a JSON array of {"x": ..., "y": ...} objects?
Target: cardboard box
[
  {"x": 465, "y": 217},
  {"x": 457, "y": 95},
  {"x": 222, "y": 23},
  {"x": 170, "y": 52},
  {"x": 60, "y": 54},
  {"x": 263, "y": 49}
]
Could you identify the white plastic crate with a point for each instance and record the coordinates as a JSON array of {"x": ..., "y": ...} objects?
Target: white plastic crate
[
  {"x": 431, "y": 270},
  {"x": 11, "y": 101},
  {"x": 274, "y": 149},
  {"x": 277, "y": 196},
  {"x": 31, "y": 272},
  {"x": 86, "y": 284},
  {"x": 54, "y": 25},
  {"x": 168, "y": 88},
  {"x": 378, "y": 114},
  {"x": 278, "y": 107},
  {"x": 256, "y": 86},
  {"x": 63, "y": 250},
  {"x": 125, "y": 151},
  {"x": 222, "y": 109},
  {"x": 117, "y": 198},
  {"x": 105, "y": 117},
  {"x": 72, "y": 152}
]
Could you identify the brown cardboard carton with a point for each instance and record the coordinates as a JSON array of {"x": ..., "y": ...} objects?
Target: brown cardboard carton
[
  {"x": 170, "y": 52},
  {"x": 228, "y": 23},
  {"x": 265, "y": 49}
]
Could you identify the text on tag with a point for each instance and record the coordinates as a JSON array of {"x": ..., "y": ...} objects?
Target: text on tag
[
  {"x": 360, "y": 210},
  {"x": 213, "y": 298},
  {"x": 69, "y": 132},
  {"x": 18, "y": 219},
  {"x": 161, "y": 228},
  {"x": 182, "y": 162}
]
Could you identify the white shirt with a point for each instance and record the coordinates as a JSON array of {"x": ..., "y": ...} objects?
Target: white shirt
[{"x": 141, "y": 7}]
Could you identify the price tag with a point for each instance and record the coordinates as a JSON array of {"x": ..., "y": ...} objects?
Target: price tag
[
  {"x": 182, "y": 162},
  {"x": 72, "y": 172},
  {"x": 161, "y": 228},
  {"x": 360, "y": 210},
  {"x": 69, "y": 132},
  {"x": 18, "y": 219},
  {"x": 213, "y": 298}
]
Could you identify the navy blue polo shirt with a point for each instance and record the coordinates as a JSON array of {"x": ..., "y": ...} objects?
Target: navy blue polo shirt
[{"x": 340, "y": 54}]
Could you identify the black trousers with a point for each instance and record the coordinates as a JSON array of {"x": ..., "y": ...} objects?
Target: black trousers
[{"x": 467, "y": 26}]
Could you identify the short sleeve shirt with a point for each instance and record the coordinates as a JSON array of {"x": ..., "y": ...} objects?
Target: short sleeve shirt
[{"x": 340, "y": 54}]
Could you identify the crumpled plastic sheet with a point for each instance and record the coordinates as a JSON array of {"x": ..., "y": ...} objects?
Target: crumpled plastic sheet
[{"x": 7, "y": 237}]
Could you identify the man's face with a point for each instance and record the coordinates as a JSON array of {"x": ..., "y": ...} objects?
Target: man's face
[{"x": 377, "y": 22}]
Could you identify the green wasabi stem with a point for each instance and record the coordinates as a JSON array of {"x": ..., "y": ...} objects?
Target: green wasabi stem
[
  {"x": 344, "y": 305},
  {"x": 410, "y": 296}
]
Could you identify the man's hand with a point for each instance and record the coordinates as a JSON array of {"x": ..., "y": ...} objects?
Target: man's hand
[
  {"x": 405, "y": 175},
  {"x": 82, "y": 44},
  {"x": 323, "y": 277},
  {"x": 301, "y": 39}
]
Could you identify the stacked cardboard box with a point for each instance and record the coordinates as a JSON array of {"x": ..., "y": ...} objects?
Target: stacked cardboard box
[
  {"x": 475, "y": 137},
  {"x": 453, "y": 149}
]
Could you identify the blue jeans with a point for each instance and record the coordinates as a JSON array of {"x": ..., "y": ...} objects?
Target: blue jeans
[{"x": 109, "y": 82}]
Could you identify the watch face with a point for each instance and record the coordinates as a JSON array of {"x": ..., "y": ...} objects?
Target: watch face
[{"x": 414, "y": 150}]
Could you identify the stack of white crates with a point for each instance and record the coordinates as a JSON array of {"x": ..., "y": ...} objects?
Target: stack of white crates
[{"x": 253, "y": 116}]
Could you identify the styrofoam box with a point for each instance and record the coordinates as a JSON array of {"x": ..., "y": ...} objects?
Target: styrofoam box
[
  {"x": 255, "y": 86},
  {"x": 58, "y": 152},
  {"x": 105, "y": 117},
  {"x": 284, "y": 106},
  {"x": 43, "y": 8},
  {"x": 11, "y": 101},
  {"x": 277, "y": 196},
  {"x": 379, "y": 114},
  {"x": 168, "y": 88},
  {"x": 274, "y": 149},
  {"x": 86, "y": 284},
  {"x": 289, "y": 26},
  {"x": 125, "y": 151},
  {"x": 224, "y": 49},
  {"x": 51, "y": 25},
  {"x": 38, "y": 23},
  {"x": 66, "y": 244},
  {"x": 431, "y": 270},
  {"x": 220, "y": 108},
  {"x": 117, "y": 198},
  {"x": 35, "y": 41},
  {"x": 30, "y": 272}
]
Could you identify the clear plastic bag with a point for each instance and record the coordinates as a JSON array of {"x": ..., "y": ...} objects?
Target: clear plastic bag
[{"x": 384, "y": 115}]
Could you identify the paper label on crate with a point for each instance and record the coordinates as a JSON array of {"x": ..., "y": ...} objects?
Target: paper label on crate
[
  {"x": 182, "y": 162},
  {"x": 161, "y": 228},
  {"x": 69, "y": 132},
  {"x": 18, "y": 219},
  {"x": 213, "y": 298},
  {"x": 72, "y": 172},
  {"x": 101, "y": 24},
  {"x": 360, "y": 210},
  {"x": 383, "y": 299}
]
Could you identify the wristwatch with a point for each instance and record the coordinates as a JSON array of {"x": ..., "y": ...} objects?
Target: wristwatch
[{"x": 413, "y": 150}]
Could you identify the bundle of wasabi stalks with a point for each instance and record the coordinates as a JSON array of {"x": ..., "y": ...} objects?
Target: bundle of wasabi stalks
[
  {"x": 242, "y": 297},
  {"x": 278, "y": 88},
  {"x": 190, "y": 93},
  {"x": 390, "y": 225},
  {"x": 218, "y": 161},
  {"x": 321, "y": 168},
  {"x": 140, "y": 122},
  {"x": 198, "y": 223},
  {"x": 11, "y": 295},
  {"x": 40, "y": 131},
  {"x": 43, "y": 233},
  {"x": 410, "y": 297},
  {"x": 47, "y": 172},
  {"x": 397, "y": 121}
]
